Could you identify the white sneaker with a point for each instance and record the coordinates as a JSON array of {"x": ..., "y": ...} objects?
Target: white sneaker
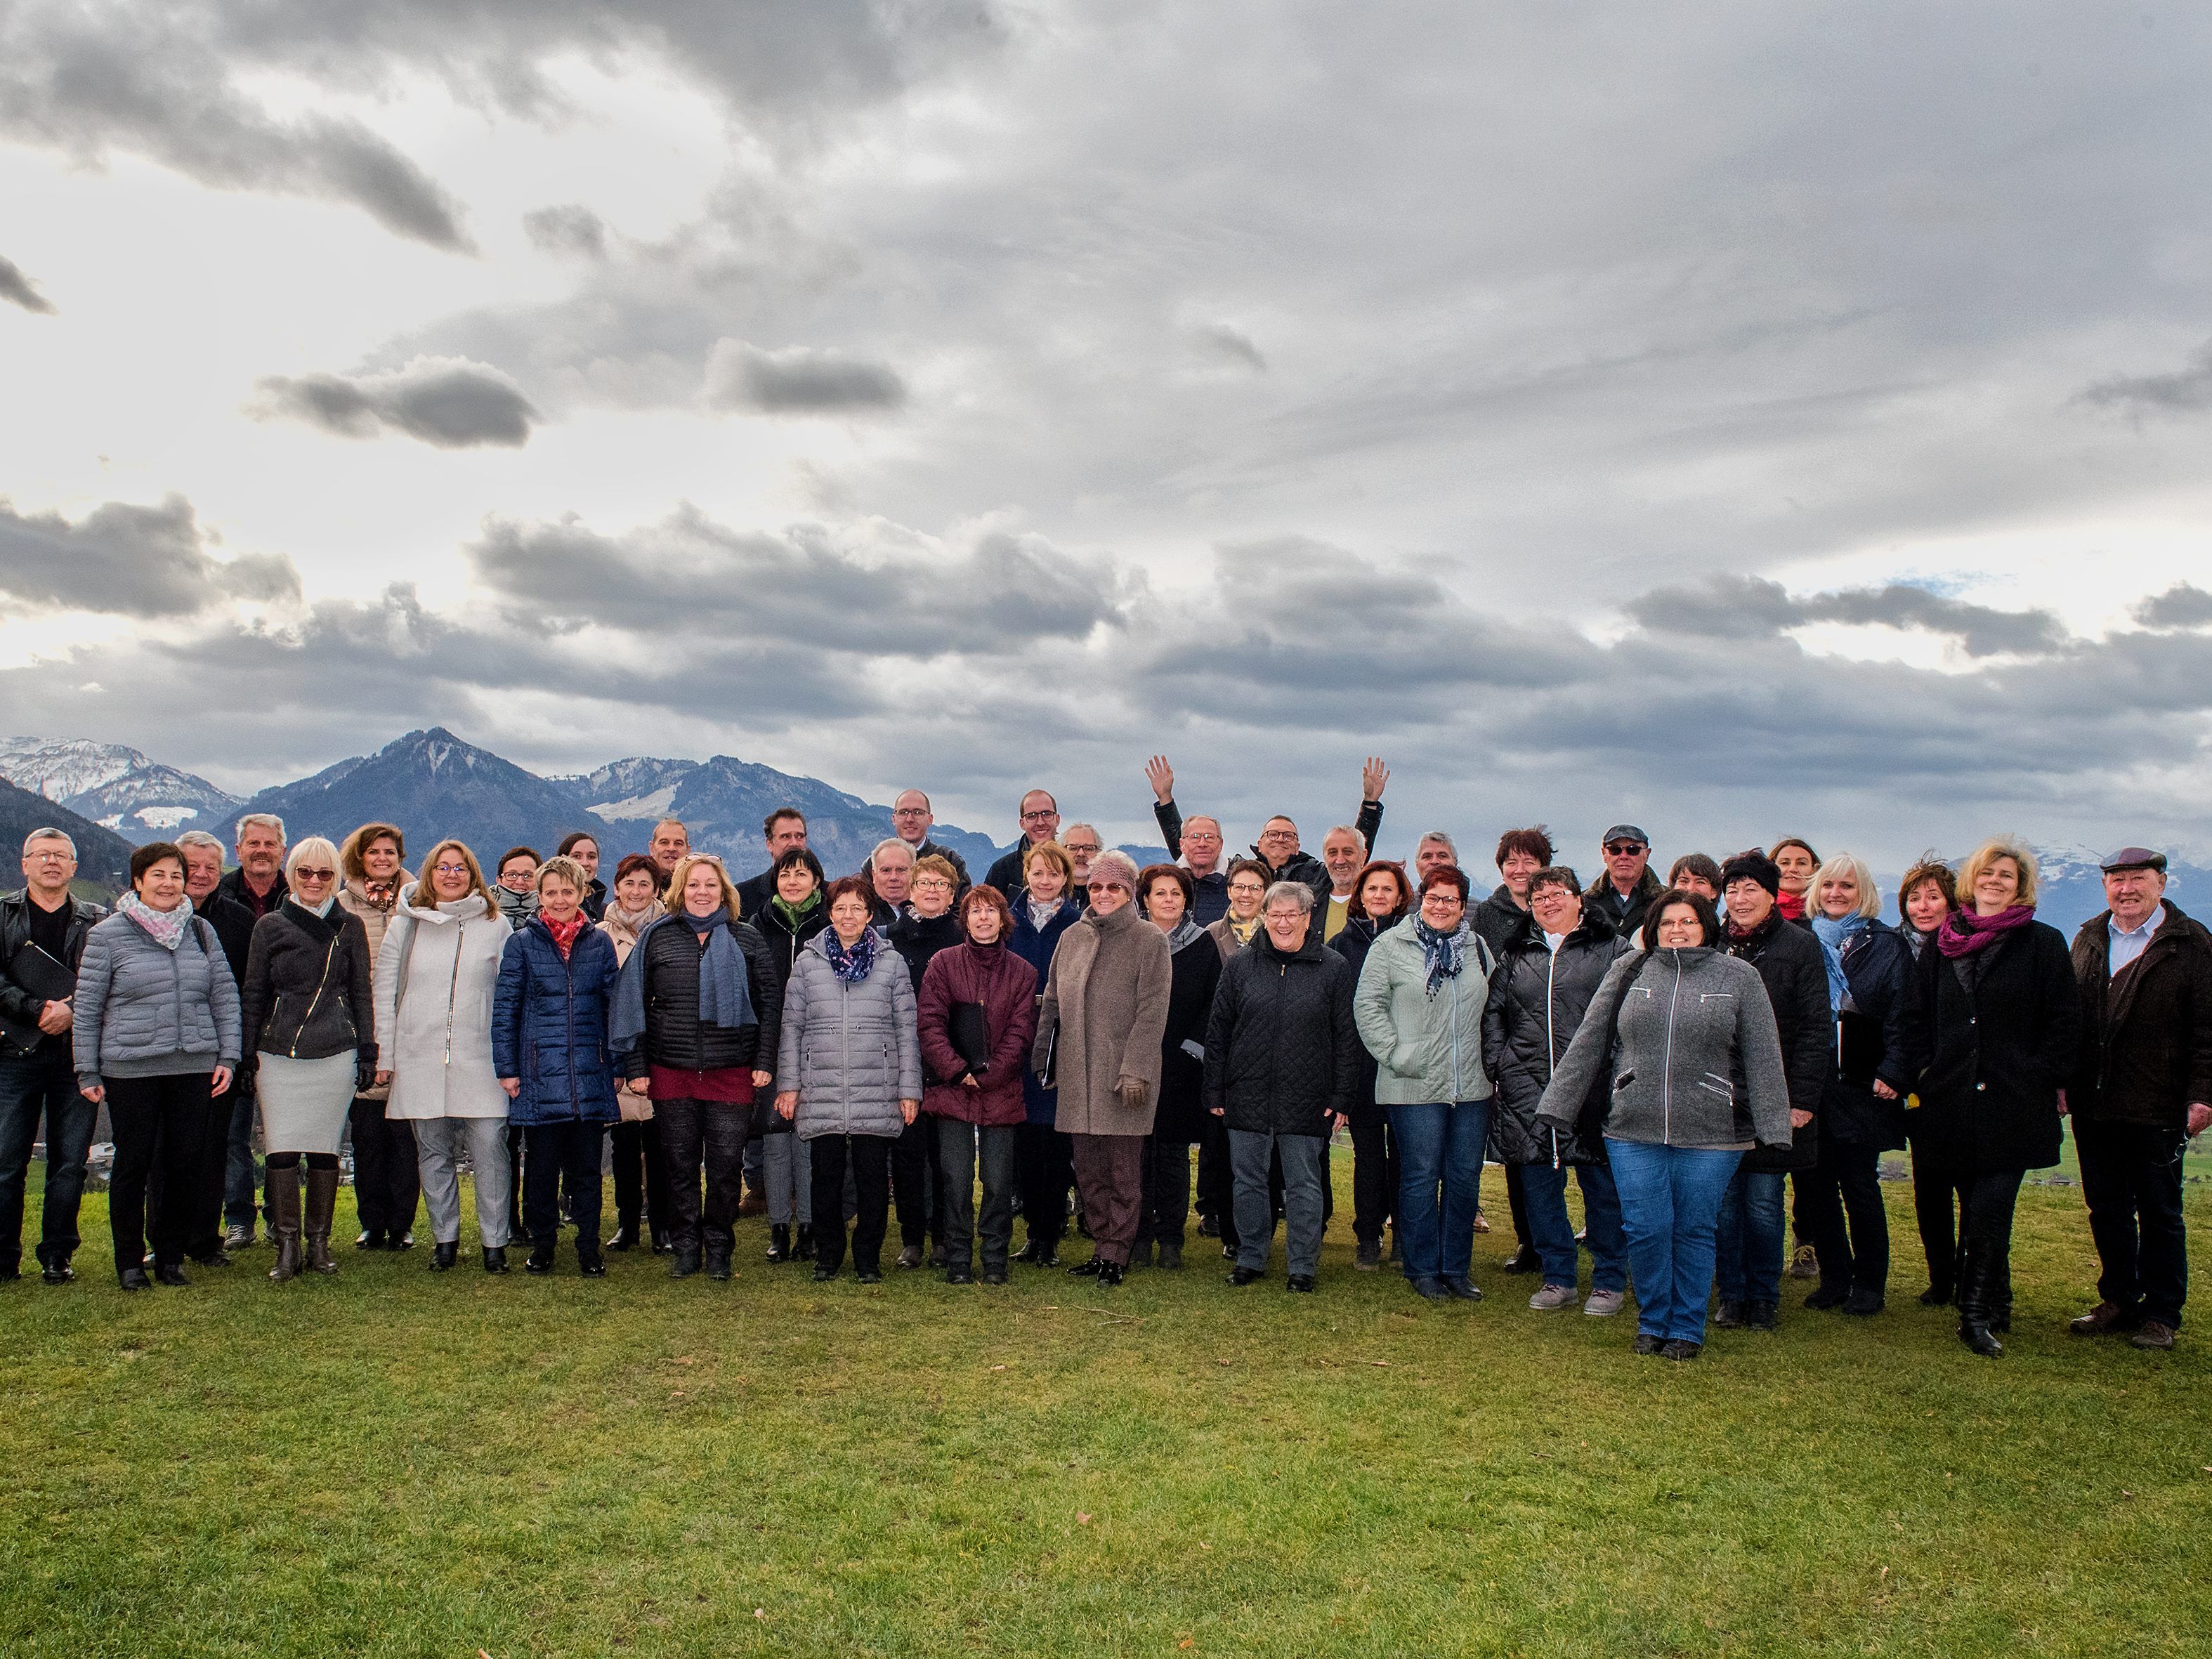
[
  {"x": 1552, "y": 1298},
  {"x": 1602, "y": 1303}
]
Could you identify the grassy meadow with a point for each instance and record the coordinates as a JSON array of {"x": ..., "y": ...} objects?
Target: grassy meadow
[{"x": 399, "y": 1462}]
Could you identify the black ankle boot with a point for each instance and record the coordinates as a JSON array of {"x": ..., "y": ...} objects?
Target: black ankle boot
[
  {"x": 779, "y": 1241},
  {"x": 443, "y": 1255},
  {"x": 802, "y": 1249},
  {"x": 625, "y": 1236},
  {"x": 495, "y": 1258}
]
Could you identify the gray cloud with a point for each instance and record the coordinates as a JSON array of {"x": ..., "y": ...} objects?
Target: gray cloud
[
  {"x": 450, "y": 402},
  {"x": 1225, "y": 343},
  {"x": 567, "y": 229},
  {"x": 130, "y": 560},
  {"x": 2186, "y": 390},
  {"x": 798, "y": 380},
  {"x": 1753, "y": 607},
  {"x": 18, "y": 289},
  {"x": 2182, "y": 605}
]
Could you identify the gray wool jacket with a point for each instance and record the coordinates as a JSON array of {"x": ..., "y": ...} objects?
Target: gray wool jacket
[
  {"x": 853, "y": 1051},
  {"x": 1696, "y": 1061},
  {"x": 145, "y": 1011}
]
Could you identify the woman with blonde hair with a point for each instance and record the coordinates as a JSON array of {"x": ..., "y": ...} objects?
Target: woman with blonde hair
[
  {"x": 1870, "y": 985},
  {"x": 2002, "y": 1019},
  {"x": 435, "y": 979},
  {"x": 695, "y": 1019},
  {"x": 309, "y": 1007},
  {"x": 371, "y": 863}
]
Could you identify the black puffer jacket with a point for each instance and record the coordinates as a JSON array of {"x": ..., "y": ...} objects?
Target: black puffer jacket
[
  {"x": 1537, "y": 1000},
  {"x": 1873, "y": 1041},
  {"x": 1998, "y": 1052},
  {"x": 1282, "y": 1052},
  {"x": 1194, "y": 970},
  {"x": 784, "y": 941},
  {"x": 308, "y": 993},
  {"x": 674, "y": 1035},
  {"x": 1795, "y": 976},
  {"x": 1498, "y": 919},
  {"x": 918, "y": 938}
]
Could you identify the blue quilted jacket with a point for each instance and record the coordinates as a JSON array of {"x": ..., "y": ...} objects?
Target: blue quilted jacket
[{"x": 548, "y": 1026}]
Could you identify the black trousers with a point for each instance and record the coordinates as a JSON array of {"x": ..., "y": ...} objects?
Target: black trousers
[
  {"x": 2132, "y": 1181},
  {"x": 642, "y": 1175},
  {"x": 1939, "y": 1203},
  {"x": 1517, "y": 1202},
  {"x": 1375, "y": 1174},
  {"x": 153, "y": 1118},
  {"x": 204, "y": 1203},
  {"x": 1217, "y": 1183},
  {"x": 557, "y": 1155},
  {"x": 1985, "y": 1245},
  {"x": 1044, "y": 1169},
  {"x": 869, "y": 1157},
  {"x": 1849, "y": 1228},
  {"x": 707, "y": 1135},
  {"x": 914, "y": 1185},
  {"x": 387, "y": 1184},
  {"x": 962, "y": 1148},
  {"x": 1163, "y": 1207}
]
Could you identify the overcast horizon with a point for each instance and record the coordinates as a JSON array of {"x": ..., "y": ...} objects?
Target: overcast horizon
[{"x": 1738, "y": 421}]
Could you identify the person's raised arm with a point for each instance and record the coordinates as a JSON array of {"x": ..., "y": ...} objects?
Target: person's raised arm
[
  {"x": 1373, "y": 778},
  {"x": 1166, "y": 812}
]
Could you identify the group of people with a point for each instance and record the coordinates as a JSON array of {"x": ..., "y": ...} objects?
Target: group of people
[{"x": 1714, "y": 1059}]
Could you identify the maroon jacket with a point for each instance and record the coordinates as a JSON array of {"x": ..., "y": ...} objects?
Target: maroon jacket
[{"x": 1006, "y": 986}]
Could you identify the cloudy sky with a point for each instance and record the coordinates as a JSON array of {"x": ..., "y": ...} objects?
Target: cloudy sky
[{"x": 1741, "y": 420}]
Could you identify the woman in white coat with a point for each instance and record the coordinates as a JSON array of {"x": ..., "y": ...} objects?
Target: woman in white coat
[{"x": 434, "y": 980}]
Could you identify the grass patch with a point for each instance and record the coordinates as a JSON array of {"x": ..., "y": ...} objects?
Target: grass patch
[{"x": 396, "y": 1462}]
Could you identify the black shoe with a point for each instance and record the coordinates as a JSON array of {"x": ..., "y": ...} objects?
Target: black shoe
[
  {"x": 1301, "y": 1282},
  {"x": 662, "y": 1244},
  {"x": 1729, "y": 1316},
  {"x": 1680, "y": 1349},
  {"x": 1050, "y": 1256},
  {"x": 1027, "y": 1253},
  {"x": 540, "y": 1260},
  {"x": 1089, "y": 1269},
  {"x": 1111, "y": 1274},
  {"x": 959, "y": 1276},
  {"x": 1462, "y": 1289},
  {"x": 134, "y": 1278},
  {"x": 1861, "y": 1303},
  {"x": 495, "y": 1258},
  {"x": 213, "y": 1256},
  {"x": 823, "y": 1273},
  {"x": 1170, "y": 1255},
  {"x": 1935, "y": 1296},
  {"x": 1240, "y": 1277},
  {"x": 399, "y": 1240},
  {"x": 868, "y": 1276},
  {"x": 779, "y": 1241},
  {"x": 168, "y": 1273},
  {"x": 443, "y": 1255},
  {"x": 370, "y": 1238},
  {"x": 1208, "y": 1227},
  {"x": 683, "y": 1265},
  {"x": 1829, "y": 1296},
  {"x": 625, "y": 1235},
  {"x": 802, "y": 1248},
  {"x": 593, "y": 1266},
  {"x": 1763, "y": 1317},
  {"x": 1647, "y": 1344},
  {"x": 1977, "y": 1335},
  {"x": 1523, "y": 1260},
  {"x": 58, "y": 1272},
  {"x": 718, "y": 1264},
  {"x": 940, "y": 1257},
  {"x": 995, "y": 1275},
  {"x": 1430, "y": 1290}
]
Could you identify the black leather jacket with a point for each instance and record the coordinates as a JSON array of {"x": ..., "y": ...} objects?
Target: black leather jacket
[{"x": 19, "y": 1006}]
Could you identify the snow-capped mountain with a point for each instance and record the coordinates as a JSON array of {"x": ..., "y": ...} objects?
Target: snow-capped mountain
[{"x": 115, "y": 787}]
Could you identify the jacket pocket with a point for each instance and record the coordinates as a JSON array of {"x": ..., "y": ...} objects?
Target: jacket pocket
[
  {"x": 1717, "y": 1085},
  {"x": 1623, "y": 1081}
]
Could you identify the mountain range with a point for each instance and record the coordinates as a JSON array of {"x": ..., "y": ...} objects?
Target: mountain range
[
  {"x": 103, "y": 857},
  {"x": 118, "y": 788}
]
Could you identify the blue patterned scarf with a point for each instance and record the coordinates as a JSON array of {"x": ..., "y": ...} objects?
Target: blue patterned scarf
[
  {"x": 1835, "y": 937},
  {"x": 852, "y": 965},
  {"x": 1444, "y": 952}
]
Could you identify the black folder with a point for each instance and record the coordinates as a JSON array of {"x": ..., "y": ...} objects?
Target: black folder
[
  {"x": 38, "y": 973},
  {"x": 971, "y": 1036}
]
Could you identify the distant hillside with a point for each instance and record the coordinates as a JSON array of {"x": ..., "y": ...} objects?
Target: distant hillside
[
  {"x": 119, "y": 788},
  {"x": 103, "y": 857},
  {"x": 431, "y": 784}
]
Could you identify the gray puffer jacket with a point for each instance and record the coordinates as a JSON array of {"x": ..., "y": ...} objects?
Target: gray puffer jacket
[
  {"x": 1695, "y": 1058},
  {"x": 853, "y": 1051},
  {"x": 143, "y": 1009}
]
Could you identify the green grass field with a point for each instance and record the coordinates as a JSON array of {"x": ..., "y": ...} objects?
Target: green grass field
[{"x": 396, "y": 1462}]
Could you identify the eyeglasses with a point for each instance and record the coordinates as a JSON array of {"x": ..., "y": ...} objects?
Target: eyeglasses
[
  {"x": 449, "y": 870},
  {"x": 303, "y": 873},
  {"x": 1279, "y": 835},
  {"x": 910, "y": 812},
  {"x": 1106, "y": 887},
  {"x": 1623, "y": 847},
  {"x": 55, "y": 857},
  {"x": 1040, "y": 817},
  {"x": 1079, "y": 847}
]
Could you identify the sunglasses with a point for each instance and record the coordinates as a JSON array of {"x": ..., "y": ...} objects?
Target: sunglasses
[
  {"x": 1106, "y": 887},
  {"x": 1623, "y": 847},
  {"x": 303, "y": 873}
]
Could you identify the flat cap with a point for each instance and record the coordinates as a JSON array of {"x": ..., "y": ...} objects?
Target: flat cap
[
  {"x": 1624, "y": 832},
  {"x": 2135, "y": 858}
]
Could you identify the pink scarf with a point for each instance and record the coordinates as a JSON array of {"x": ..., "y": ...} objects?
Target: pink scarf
[{"x": 1964, "y": 932}]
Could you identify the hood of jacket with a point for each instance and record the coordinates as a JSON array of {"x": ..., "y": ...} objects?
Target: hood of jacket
[{"x": 435, "y": 914}]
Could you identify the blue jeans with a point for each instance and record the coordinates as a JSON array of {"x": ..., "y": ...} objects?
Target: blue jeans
[
  {"x": 43, "y": 1081},
  {"x": 1544, "y": 1190},
  {"x": 1252, "y": 1154},
  {"x": 1753, "y": 1232},
  {"x": 1670, "y": 1198},
  {"x": 241, "y": 1181},
  {"x": 1439, "y": 1184}
]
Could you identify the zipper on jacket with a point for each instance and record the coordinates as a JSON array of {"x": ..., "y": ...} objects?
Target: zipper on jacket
[
  {"x": 1667, "y": 1070},
  {"x": 314, "y": 1000},
  {"x": 1550, "y": 975}
]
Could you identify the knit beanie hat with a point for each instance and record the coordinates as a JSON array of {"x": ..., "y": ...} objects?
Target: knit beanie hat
[{"x": 1753, "y": 865}]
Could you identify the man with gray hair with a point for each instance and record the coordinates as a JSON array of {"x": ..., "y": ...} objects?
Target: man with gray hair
[
  {"x": 1283, "y": 1063},
  {"x": 258, "y": 881},
  {"x": 258, "y": 884},
  {"x": 42, "y": 932}
]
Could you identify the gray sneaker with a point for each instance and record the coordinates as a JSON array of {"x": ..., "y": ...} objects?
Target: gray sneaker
[
  {"x": 239, "y": 1235},
  {"x": 1552, "y": 1298},
  {"x": 1603, "y": 1304}
]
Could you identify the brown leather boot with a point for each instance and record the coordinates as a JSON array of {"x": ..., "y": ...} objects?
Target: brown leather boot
[
  {"x": 284, "y": 1224},
  {"x": 322, "y": 1201},
  {"x": 2106, "y": 1319}
]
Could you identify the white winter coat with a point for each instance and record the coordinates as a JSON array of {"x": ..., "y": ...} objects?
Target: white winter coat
[{"x": 433, "y": 1034}]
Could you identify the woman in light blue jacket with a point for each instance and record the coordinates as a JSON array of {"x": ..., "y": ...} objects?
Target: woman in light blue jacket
[
  {"x": 156, "y": 1029},
  {"x": 848, "y": 1074},
  {"x": 1419, "y": 1011}
]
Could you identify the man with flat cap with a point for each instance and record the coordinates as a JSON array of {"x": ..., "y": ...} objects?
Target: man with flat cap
[
  {"x": 2141, "y": 1088},
  {"x": 1626, "y": 889}
]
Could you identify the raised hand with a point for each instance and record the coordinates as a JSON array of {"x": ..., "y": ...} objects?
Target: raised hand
[
  {"x": 1161, "y": 776},
  {"x": 1372, "y": 778}
]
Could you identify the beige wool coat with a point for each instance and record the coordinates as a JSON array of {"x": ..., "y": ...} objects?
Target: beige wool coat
[
  {"x": 1107, "y": 999},
  {"x": 354, "y": 900}
]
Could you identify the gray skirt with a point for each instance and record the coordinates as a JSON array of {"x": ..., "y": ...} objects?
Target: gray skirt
[{"x": 303, "y": 1101}]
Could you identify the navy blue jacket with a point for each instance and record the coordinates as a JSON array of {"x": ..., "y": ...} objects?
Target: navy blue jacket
[
  {"x": 1875, "y": 1040},
  {"x": 1035, "y": 949},
  {"x": 548, "y": 1026}
]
